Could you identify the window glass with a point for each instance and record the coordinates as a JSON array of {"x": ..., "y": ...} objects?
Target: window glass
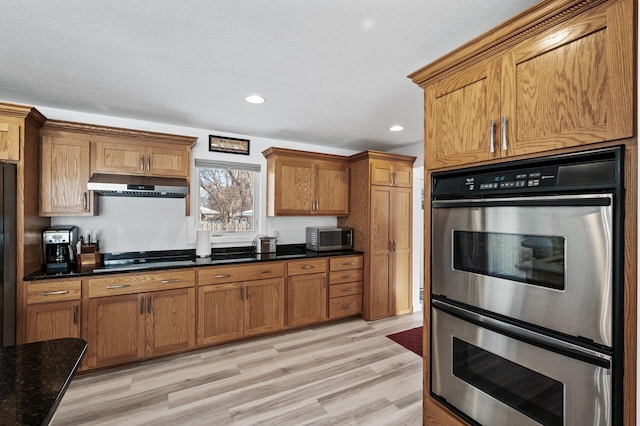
[{"x": 226, "y": 198}]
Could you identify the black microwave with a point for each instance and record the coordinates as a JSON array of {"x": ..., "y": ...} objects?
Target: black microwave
[{"x": 327, "y": 238}]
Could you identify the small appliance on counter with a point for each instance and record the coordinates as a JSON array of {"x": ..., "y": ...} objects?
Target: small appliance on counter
[
  {"x": 329, "y": 238},
  {"x": 263, "y": 244},
  {"x": 58, "y": 248}
]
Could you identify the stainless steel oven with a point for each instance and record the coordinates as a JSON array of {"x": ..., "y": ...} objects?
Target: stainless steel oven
[{"x": 526, "y": 273}]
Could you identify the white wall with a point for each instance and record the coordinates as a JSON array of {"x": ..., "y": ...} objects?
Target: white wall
[
  {"x": 417, "y": 150},
  {"x": 141, "y": 224}
]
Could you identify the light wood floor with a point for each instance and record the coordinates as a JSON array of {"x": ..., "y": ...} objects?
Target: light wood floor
[{"x": 346, "y": 373}]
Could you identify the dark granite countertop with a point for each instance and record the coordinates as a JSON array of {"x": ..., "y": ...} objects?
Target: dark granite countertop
[
  {"x": 35, "y": 376},
  {"x": 173, "y": 259}
]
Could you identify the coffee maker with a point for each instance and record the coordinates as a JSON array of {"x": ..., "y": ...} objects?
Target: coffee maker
[{"x": 58, "y": 248}]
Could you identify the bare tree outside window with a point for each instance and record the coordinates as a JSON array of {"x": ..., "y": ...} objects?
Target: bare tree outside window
[{"x": 226, "y": 199}]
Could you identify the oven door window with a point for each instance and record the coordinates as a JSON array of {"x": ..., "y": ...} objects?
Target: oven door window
[
  {"x": 534, "y": 395},
  {"x": 531, "y": 259}
]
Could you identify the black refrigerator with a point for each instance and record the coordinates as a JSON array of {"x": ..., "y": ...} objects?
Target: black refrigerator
[{"x": 8, "y": 250}]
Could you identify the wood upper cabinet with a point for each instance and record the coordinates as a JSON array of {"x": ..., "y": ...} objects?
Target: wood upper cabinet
[
  {"x": 53, "y": 310},
  {"x": 64, "y": 175},
  {"x": 139, "y": 159},
  {"x": 565, "y": 86},
  {"x": 305, "y": 183},
  {"x": 307, "y": 292},
  {"x": 9, "y": 139},
  {"x": 391, "y": 173}
]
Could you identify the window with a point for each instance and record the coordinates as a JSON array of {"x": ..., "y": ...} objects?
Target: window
[{"x": 226, "y": 196}]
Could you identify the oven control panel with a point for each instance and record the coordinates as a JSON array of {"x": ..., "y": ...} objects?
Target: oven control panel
[{"x": 512, "y": 180}]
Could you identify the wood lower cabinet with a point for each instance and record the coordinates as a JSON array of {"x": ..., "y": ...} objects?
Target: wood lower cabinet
[
  {"x": 306, "y": 292},
  {"x": 381, "y": 219},
  {"x": 345, "y": 291},
  {"x": 137, "y": 315},
  {"x": 301, "y": 183},
  {"x": 53, "y": 310},
  {"x": 556, "y": 87},
  {"x": 239, "y": 301}
]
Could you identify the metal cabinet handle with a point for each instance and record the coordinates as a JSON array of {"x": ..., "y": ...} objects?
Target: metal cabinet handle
[
  {"x": 142, "y": 162},
  {"x": 348, "y": 263},
  {"x": 394, "y": 245},
  {"x": 264, "y": 272},
  {"x": 149, "y": 162},
  {"x": 171, "y": 281},
  {"x": 142, "y": 306},
  {"x": 347, "y": 289},
  {"x": 149, "y": 304},
  {"x": 348, "y": 276},
  {"x": 53, "y": 293},
  {"x": 246, "y": 293},
  {"x": 75, "y": 314},
  {"x": 222, "y": 276},
  {"x": 324, "y": 281},
  {"x": 85, "y": 202},
  {"x": 347, "y": 306},
  {"x": 393, "y": 178},
  {"x": 390, "y": 245},
  {"x": 492, "y": 139},
  {"x": 111, "y": 287},
  {"x": 241, "y": 293},
  {"x": 308, "y": 267},
  {"x": 504, "y": 132}
]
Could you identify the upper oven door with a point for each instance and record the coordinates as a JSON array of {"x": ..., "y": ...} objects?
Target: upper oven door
[{"x": 542, "y": 260}]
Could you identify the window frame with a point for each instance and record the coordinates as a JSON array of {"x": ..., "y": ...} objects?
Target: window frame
[{"x": 225, "y": 237}]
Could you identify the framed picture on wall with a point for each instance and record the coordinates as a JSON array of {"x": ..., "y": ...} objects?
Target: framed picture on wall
[{"x": 228, "y": 145}]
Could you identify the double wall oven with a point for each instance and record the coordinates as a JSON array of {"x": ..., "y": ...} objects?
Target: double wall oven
[{"x": 526, "y": 290}]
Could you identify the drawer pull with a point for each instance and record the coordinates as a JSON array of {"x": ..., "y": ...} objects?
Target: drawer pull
[
  {"x": 308, "y": 267},
  {"x": 177, "y": 280},
  {"x": 348, "y": 289},
  {"x": 347, "y": 306},
  {"x": 264, "y": 272},
  {"x": 112, "y": 287},
  {"x": 54, "y": 293},
  {"x": 222, "y": 276},
  {"x": 349, "y": 263},
  {"x": 348, "y": 276}
]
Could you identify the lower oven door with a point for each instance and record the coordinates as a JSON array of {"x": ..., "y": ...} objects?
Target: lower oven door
[
  {"x": 543, "y": 260},
  {"x": 495, "y": 379}
]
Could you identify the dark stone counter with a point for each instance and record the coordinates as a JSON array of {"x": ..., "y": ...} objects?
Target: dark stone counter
[
  {"x": 35, "y": 376},
  {"x": 173, "y": 259}
]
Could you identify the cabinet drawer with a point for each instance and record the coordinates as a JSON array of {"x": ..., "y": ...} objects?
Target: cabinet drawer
[
  {"x": 347, "y": 289},
  {"x": 140, "y": 283},
  {"x": 345, "y": 306},
  {"x": 344, "y": 263},
  {"x": 300, "y": 267},
  {"x": 53, "y": 292},
  {"x": 238, "y": 273},
  {"x": 345, "y": 276}
]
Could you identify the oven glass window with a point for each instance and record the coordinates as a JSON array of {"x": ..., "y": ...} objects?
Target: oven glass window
[
  {"x": 532, "y": 259},
  {"x": 534, "y": 395}
]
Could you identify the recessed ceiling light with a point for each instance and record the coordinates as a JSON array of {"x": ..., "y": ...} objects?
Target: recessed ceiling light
[
  {"x": 255, "y": 99},
  {"x": 396, "y": 128}
]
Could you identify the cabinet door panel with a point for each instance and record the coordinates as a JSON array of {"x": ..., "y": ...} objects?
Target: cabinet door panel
[
  {"x": 115, "y": 329},
  {"x": 306, "y": 299},
  {"x": 295, "y": 188},
  {"x": 164, "y": 161},
  {"x": 458, "y": 112},
  {"x": 264, "y": 306},
  {"x": 401, "y": 255},
  {"x": 380, "y": 218},
  {"x": 118, "y": 158},
  {"x": 378, "y": 295},
  {"x": 65, "y": 173},
  {"x": 170, "y": 321},
  {"x": 53, "y": 321},
  {"x": 220, "y": 313},
  {"x": 566, "y": 88},
  {"x": 332, "y": 189},
  {"x": 9, "y": 141}
]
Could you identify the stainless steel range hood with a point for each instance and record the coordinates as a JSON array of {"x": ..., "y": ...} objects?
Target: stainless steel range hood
[{"x": 138, "y": 186}]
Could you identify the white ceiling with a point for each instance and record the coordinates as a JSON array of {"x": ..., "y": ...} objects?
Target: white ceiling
[{"x": 333, "y": 71}]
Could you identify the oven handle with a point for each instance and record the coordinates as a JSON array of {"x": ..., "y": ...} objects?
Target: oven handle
[
  {"x": 550, "y": 343},
  {"x": 603, "y": 201}
]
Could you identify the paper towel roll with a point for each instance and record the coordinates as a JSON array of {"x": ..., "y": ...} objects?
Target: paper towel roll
[{"x": 203, "y": 243}]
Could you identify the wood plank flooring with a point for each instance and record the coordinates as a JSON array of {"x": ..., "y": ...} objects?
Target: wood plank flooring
[{"x": 345, "y": 373}]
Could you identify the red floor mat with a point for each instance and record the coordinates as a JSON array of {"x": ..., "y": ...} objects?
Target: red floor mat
[{"x": 410, "y": 339}]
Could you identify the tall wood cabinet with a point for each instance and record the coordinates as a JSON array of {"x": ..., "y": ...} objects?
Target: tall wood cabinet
[
  {"x": 20, "y": 144},
  {"x": 381, "y": 211},
  {"x": 559, "y": 77},
  {"x": 301, "y": 183}
]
